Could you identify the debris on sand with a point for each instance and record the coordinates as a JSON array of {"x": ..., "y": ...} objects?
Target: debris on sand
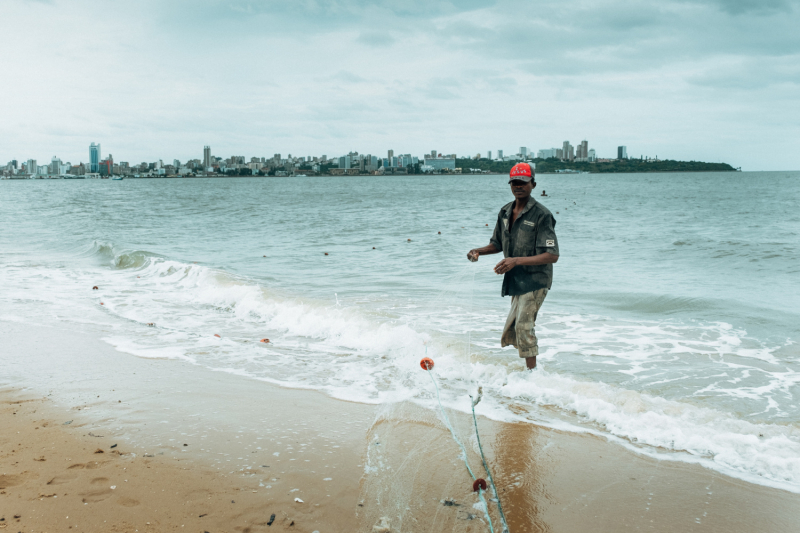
[{"x": 382, "y": 526}]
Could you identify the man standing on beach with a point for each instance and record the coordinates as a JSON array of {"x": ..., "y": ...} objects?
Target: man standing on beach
[{"x": 525, "y": 233}]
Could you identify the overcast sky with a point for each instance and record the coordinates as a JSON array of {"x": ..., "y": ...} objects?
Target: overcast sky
[{"x": 709, "y": 80}]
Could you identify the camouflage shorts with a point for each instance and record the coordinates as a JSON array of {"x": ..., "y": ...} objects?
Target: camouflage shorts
[{"x": 519, "y": 329}]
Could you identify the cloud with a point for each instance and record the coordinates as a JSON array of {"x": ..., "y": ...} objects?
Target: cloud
[
  {"x": 347, "y": 77},
  {"x": 742, "y": 7},
  {"x": 376, "y": 39}
]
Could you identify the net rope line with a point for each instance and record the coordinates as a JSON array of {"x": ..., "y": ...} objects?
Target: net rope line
[
  {"x": 463, "y": 450},
  {"x": 474, "y": 402}
]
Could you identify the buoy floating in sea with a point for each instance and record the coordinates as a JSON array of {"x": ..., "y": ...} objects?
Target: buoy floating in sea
[
  {"x": 326, "y": 253},
  {"x": 94, "y": 288},
  {"x": 151, "y": 324},
  {"x": 217, "y": 335},
  {"x": 409, "y": 240},
  {"x": 480, "y": 483},
  {"x": 264, "y": 341},
  {"x": 101, "y": 303},
  {"x": 440, "y": 233},
  {"x": 426, "y": 363}
]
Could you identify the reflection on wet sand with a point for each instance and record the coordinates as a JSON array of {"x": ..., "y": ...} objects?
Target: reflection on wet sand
[{"x": 514, "y": 455}]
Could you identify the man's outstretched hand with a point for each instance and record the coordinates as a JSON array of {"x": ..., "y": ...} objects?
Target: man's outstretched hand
[
  {"x": 505, "y": 265},
  {"x": 473, "y": 255}
]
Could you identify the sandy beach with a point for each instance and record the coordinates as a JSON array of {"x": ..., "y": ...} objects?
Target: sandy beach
[{"x": 109, "y": 464}]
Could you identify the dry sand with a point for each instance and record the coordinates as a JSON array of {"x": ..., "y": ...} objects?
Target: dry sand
[{"x": 59, "y": 478}]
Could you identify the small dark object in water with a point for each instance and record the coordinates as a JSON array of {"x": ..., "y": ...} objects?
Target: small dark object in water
[
  {"x": 487, "y": 225},
  {"x": 185, "y": 444},
  {"x": 409, "y": 240},
  {"x": 440, "y": 233},
  {"x": 271, "y": 519},
  {"x": 373, "y": 247},
  {"x": 152, "y": 325},
  {"x": 94, "y": 288}
]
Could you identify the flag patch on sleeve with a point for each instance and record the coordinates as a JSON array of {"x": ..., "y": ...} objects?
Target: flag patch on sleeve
[{"x": 550, "y": 243}]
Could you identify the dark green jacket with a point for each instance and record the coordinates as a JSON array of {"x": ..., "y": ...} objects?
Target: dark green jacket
[{"x": 533, "y": 233}]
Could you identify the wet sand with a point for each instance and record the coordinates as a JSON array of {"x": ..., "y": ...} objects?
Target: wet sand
[{"x": 353, "y": 465}]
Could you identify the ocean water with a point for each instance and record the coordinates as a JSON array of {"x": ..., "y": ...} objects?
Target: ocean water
[{"x": 671, "y": 328}]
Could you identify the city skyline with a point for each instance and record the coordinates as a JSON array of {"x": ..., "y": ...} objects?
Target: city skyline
[
  {"x": 679, "y": 78},
  {"x": 434, "y": 160}
]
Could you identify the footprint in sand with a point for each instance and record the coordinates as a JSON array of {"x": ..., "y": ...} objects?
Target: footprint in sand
[
  {"x": 127, "y": 502},
  {"x": 98, "y": 495},
  {"x": 12, "y": 480},
  {"x": 62, "y": 479},
  {"x": 87, "y": 466}
]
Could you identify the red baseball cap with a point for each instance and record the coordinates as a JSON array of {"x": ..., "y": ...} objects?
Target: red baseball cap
[{"x": 522, "y": 172}]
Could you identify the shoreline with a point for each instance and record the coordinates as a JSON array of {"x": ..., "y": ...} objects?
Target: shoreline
[{"x": 353, "y": 465}]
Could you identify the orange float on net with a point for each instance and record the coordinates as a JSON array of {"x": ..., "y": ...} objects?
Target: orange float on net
[
  {"x": 426, "y": 363},
  {"x": 264, "y": 340},
  {"x": 480, "y": 483},
  {"x": 217, "y": 335}
]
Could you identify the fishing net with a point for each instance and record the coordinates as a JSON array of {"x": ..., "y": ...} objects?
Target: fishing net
[{"x": 424, "y": 467}]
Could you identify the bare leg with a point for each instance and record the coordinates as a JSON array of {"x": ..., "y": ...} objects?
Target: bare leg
[{"x": 530, "y": 362}]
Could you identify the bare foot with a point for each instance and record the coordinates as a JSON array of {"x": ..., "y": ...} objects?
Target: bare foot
[{"x": 530, "y": 362}]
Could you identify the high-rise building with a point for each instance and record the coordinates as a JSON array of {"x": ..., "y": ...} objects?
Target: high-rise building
[
  {"x": 622, "y": 152},
  {"x": 31, "y": 167},
  {"x": 568, "y": 151},
  {"x": 500, "y": 155},
  {"x": 592, "y": 156},
  {"x": 206, "y": 157},
  {"x": 585, "y": 149},
  {"x": 433, "y": 153},
  {"x": 94, "y": 157},
  {"x": 548, "y": 153},
  {"x": 55, "y": 166},
  {"x": 489, "y": 154},
  {"x": 391, "y": 155},
  {"x": 523, "y": 151}
]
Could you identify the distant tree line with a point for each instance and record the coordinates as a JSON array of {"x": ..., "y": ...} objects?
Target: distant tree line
[{"x": 618, "y": 165}]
